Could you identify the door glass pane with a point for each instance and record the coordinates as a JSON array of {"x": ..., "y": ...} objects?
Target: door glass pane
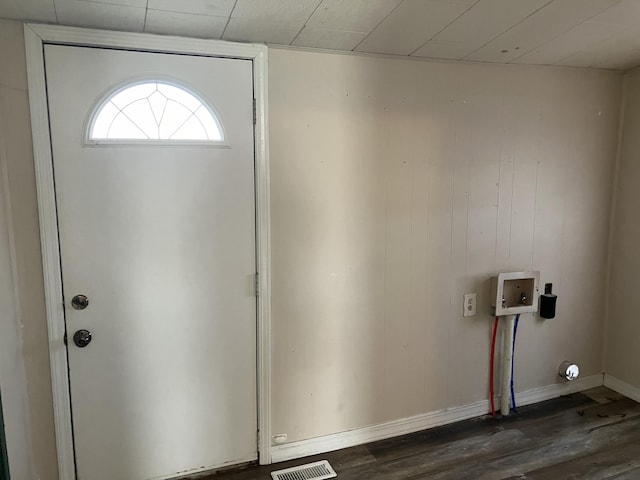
[{"x": 154, "y": 111}]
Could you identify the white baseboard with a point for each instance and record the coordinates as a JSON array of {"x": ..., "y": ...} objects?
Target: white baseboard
[
  {"x": 622, "y": 388},
  {"x": 351, "y": 438},
  {"x": 541, "y": 394}
]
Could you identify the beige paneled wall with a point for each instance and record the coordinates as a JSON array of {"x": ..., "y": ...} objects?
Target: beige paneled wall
[
  {"x": 623, "y": 327},
  {"x": 12, "y": 376},
  {"x": 17, "y": 156},
  {"x": 397, "y": 186}
]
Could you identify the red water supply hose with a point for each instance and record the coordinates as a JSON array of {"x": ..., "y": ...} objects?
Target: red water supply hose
[{"x": 493, "y": 352}]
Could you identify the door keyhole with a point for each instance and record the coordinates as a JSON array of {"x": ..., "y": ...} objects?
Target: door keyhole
[
  {"x": 82, "y": 338},
  {"x": 80, "y": 302}
]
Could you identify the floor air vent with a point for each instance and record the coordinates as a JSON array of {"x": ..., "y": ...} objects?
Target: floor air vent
[{"x": 310, "y": 471}]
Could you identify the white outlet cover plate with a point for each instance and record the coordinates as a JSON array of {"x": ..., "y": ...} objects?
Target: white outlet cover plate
[{"x": 470, "y": 304}]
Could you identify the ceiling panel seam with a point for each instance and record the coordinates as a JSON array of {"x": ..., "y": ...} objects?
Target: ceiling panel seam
[
  {"x": 564, "y": 32},
  {"x": 606, "y": 39},
  {"x": 224, "y": 30},
  {"x": 146, "y": 11},
  {"x": 445, "y": 27},
  {"x": 305, "y": 22},
  {"x": 508, "y": 29},
  {"x": 379, "y": 23}
]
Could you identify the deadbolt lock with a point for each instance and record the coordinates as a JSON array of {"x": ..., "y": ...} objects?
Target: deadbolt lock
[{"x": 80, "y": 302}]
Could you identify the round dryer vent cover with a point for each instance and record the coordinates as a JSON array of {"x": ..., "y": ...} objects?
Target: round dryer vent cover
[{"x": 569, "y": 371}]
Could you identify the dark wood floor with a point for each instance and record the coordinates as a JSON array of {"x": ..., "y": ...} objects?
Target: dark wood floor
[{"x": 590, "y": 435}]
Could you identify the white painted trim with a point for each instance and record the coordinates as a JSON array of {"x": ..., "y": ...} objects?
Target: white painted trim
[
  {"x": 263, "y": 248},
  {"x": 404, "y": 426},
  {"x": 58, "y": 34},
  {"x": 35, "y": 37},
  {"x": 541, "y": 394},
  {"x": 621, "y": 387},
  {"x": 50, "y": 252},
  {"x": 391, "y": 56}
]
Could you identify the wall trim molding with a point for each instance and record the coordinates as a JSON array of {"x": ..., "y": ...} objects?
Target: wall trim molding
[
  {"x": 36, "y": 36},
  {"x": 391, "y": 56},
  {"x": 623, "y": 388},
  {"x": 417, "y": 423}
]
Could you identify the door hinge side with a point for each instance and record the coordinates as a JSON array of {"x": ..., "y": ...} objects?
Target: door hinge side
[
  {"x": 255, "y": 112},
  {"x": 257, "y": 285}
]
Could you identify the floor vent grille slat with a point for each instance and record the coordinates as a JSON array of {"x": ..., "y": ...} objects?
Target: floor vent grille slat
[{"x": 310, "y": 471}]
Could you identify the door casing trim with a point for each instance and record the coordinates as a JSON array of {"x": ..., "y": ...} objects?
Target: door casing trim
[{"x": 36, "y": 36}]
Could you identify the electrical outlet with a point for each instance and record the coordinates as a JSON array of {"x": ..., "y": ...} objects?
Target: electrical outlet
[{"x": 469, "y": 304}]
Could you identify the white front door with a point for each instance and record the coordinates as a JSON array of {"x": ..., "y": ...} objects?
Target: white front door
[{"x": 159, "y": 236}]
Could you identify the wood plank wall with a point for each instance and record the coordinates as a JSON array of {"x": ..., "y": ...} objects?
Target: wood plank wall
[{"x": 398, "y": 186}]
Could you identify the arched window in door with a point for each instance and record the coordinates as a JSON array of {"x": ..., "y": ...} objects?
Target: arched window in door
[{"x": 156, "y": 112}]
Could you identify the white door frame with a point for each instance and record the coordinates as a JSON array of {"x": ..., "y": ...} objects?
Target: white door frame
[{"x": 36, "y": 36}]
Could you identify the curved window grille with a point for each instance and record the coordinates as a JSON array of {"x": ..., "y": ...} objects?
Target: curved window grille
[{"x": 154, "y": 110}]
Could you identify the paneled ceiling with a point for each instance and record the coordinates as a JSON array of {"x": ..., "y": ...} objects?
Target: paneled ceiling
[{"x": 581, "y": 33}]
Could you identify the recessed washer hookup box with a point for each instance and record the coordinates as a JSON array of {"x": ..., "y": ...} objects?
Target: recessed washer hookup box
[{"x": 514, "y": 292}]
